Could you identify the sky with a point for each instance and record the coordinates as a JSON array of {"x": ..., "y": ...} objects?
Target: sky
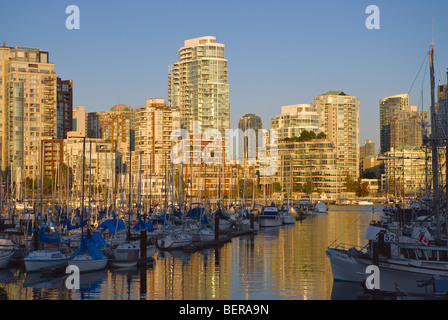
[{"x": 279, "y": 52}]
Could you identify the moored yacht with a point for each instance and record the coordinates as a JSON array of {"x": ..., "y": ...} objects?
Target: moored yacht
[{"x": 270, "y": 217}]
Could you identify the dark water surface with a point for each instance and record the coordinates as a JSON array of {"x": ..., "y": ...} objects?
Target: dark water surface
[{"x": 281, "y": 263}]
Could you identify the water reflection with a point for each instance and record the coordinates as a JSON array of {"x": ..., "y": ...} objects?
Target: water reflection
[{"x": 286, "y": 262}]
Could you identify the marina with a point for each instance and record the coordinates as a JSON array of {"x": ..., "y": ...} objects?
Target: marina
[
  {"x": 286, "y": 262},
  {"x": 125, "y": 174}
]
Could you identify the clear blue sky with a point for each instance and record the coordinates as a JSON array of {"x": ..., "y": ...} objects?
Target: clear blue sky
[{"x": 279, "y": 52}]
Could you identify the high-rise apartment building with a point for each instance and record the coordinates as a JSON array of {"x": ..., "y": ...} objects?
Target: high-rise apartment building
[
  {"x": 198, "y": 86},
  {"x": 406, "y": 127},
  {"x": 79, "y": 122},
  {"x": 339, "y": 119},
  {"x": 250, "y": 121},
  {"x": 294, "y": 119},
  {"x": 389, "y": 107},
  {"x": 406, "y": 170},
  {"x": 153, "y": 126},
  {"x": 115, "y": 125},
  {"x": 310, "y": 166},
  {"x": 64, "y": 107},
  {"x": 28, "y": 107},
  {"x": 368, "y": 149}
]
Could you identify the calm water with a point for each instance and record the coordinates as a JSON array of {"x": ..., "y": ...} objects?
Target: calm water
[{"x": 282, "y": 263}]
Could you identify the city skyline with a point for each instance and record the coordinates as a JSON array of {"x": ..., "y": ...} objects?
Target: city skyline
[{"x": 279, "y": 53}]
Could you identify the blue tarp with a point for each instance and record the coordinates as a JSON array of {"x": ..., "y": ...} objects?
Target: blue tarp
[
  {"x": 113, "y": 225},
  {"x": 48, "y": 234},
  {"x": 49, "y": 237},
  {"x": 140, "y": 225},
  {"x": 72, "y": 227},
  {"x": 91, "y": 245},
  {"x": 196, "y": 213}
]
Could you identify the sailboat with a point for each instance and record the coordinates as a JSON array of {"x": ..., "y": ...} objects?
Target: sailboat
[
  {"x": 409, "y": 256},
  {"x": 88, "y": 257},
  {"x": 48, "y": 256}
]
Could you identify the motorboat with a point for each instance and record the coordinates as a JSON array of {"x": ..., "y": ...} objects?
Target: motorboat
[
  {"x": 270, "y": 217},
  {"x": 365, "y": 203}
]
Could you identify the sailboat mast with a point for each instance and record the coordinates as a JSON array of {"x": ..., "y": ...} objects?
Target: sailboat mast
[
  {"x": 82, "y": 186},
  {"x": 434, "y": 144},
  {"x": 446, "y": 150}
]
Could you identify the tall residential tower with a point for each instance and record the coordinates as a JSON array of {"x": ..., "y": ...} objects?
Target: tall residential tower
[
  {"x": 198, "y": 86},
  {"x": 339, "y": 118},
  {"x": 28, "y": 107}
]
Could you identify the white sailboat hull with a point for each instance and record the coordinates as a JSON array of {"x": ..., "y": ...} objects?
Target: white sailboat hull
[
  {"x": 128, "y": 251},
  {"x": 174, "y": 242},
  {"x": 39, "y": 259},
  {"x": 86, "y": 263}
]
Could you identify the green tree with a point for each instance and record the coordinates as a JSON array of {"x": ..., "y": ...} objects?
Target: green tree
[
  {"x": 321, "y": 135},
  {"x": 363, "y": 188}
]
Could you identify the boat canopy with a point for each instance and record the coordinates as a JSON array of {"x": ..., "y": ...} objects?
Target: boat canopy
[
  {"x": 196, "y": 213},
  {"x": 113, "y": 225},
  {"x": 141, "y": 225},
  {"x": 48, "y": 234},
  {"x": 91, "y": 244}
]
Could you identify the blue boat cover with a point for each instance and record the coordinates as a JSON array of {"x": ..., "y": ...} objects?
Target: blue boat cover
[
  {"x": 140, "y": 225},
  {"x": 91, "y": 245},
  {"x": 48, "y": 234},
  {"x": 113, "y": 225},
  {"x": 196, "y": 213},
  {"x": 72, "y": 227}
]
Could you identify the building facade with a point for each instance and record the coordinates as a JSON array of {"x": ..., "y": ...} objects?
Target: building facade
[
  {"x": 339, "y": 119},
  {"x": 406, "y": 169},
  {"x": 310, "y": 166},
  {"x": 198, "y": 85},
  {"x": 389, "y": 107},
  {"x": 64, "y": 107},
  {"x": 79, "y": 121},
  {"x": 154, "y": 124},
  {"x": 294, "y": 119},
  {"x": 408, "y": 127},
  {"x": 115, "y": 125},
  {"x": 28, "y": 107}
]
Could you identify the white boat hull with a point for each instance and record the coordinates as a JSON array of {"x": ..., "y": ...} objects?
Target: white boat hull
[
  {"x": 39, "y": 259},
  {"x": 270, "y": 221},
  {"x": 395, "y": 275},
  {"x": 128, "y": 251},
  {"x": 174, "y": 242},
  {"x": 288, "y": 219},
  {"x": 86, "y": 263},
  {"x": 344, "y": 267}
]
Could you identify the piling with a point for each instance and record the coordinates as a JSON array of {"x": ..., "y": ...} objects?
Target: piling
[
  {"x": 143, "y": 238},
  {"x": 217, "y": 226}
]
